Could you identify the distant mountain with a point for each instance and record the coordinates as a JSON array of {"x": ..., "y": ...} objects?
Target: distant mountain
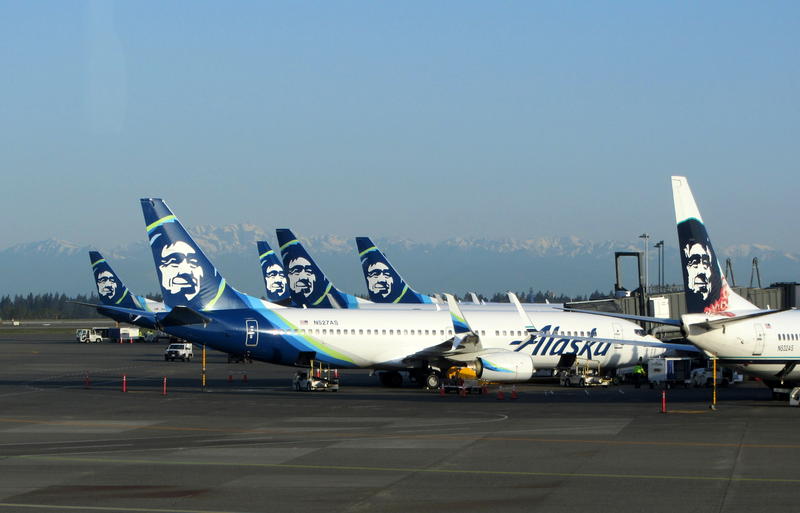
[{"x": 566, "y": 265}]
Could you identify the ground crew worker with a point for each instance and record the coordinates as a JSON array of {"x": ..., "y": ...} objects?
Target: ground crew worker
[{"x": 638, "y": 374}]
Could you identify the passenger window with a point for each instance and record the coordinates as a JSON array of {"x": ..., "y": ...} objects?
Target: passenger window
[
  {"x": 449, "y": 332},
  {"x": 405, "y": 332},
  {"x": 338, "y": 332},
  {"x": 384, "y": 332},
  {"x": 324, "y": 331},
  {"x": 496, "y": 333}
]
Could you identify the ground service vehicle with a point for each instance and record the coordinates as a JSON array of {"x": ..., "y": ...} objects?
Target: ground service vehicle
[
  {"x": 582, "y": 377},
  {"x": 88, "y": 335},
  {"x": 305, "y": 381},
  {"x": 124, "y": 334},
  {"x": 181, "y": 350},
  {"x": 668, "y": 371},
  {"x": 704, "y": 377}
]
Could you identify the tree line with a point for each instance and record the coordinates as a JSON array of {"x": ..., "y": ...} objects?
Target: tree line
[{"x": 58, "y": 306}]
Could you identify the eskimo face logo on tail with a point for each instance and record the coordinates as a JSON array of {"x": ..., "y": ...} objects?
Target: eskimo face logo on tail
[
  {"x": 380, "y": 279},
  {"x": 302, "y": 276},
  {"x": 706, "y": 290},
  {"x": 106, "y": 284},
  {"x": 275, "y": 279},
  {"x": 180, "y": 271}
]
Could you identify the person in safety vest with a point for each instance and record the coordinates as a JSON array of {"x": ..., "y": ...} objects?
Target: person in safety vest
[{"x": 638, "y": 374}]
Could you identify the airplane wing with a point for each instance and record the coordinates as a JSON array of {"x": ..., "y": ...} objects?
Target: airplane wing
[
  {"x": 644, "y": 318},
  {"x": 465, "y": 344}
]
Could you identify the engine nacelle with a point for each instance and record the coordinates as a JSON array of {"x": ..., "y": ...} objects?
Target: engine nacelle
[{"x": 508, "y": 367}]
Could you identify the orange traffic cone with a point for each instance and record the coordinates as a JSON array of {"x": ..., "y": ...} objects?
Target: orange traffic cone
[
  {"x": 514, "y": 394},
  {"x": 500, "y": 395},
  {"x": 441, "y": 390}
]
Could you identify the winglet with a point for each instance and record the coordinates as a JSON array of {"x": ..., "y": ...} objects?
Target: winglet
[
  {"x": 526, "y": 319},
  {"x": 460, "y": 324}
]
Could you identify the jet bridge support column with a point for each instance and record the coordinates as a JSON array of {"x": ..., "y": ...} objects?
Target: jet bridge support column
[{"x": 640, "y": 292}]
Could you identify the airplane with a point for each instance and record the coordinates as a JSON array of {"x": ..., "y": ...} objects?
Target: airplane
[
  {"x": 384, "y": 283},
  {"x": 758, "y": 342},
  {"x": 308, "y": 285},
  {"x": 113, "y": 292},
  {"x": 274, "y": 275},
  {"x": 387, "y": 286},
  {"x": 501, "y": 346}
]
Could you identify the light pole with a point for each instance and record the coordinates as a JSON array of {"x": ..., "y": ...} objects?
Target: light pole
[
  {"x": 660, "y": 246},
  {"x": 645, "y": 237}
]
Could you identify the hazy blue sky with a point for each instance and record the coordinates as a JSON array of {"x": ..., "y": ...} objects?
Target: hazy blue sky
[{"x": 400, "y": 119}]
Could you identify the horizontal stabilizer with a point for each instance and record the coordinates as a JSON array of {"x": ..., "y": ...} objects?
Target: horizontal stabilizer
[
  {"x": 133, "y": 313},
  {"x": 182, "y": 316},
  {"x": 720, "y": 322}
]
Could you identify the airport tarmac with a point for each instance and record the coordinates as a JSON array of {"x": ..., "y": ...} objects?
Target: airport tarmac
[{"x": 258, "y": 446}]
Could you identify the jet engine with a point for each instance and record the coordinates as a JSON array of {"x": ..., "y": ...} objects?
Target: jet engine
[{"x": 507, "y": 367}]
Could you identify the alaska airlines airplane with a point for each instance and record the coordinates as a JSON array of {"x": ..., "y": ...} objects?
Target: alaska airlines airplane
[
  {"x": 758, "y": 342},
  {"x": 386, "y": 285},
  {"x": 501, "y": 346},
  {"x": 308, "y": 285},
  {"x": 113, "y": 292},
  {"x": 762, "y": 343}
]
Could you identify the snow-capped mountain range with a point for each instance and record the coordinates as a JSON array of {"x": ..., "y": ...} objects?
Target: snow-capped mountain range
[{"x": 568, "y": 265}]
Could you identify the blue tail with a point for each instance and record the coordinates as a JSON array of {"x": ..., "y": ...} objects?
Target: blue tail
[
  {"x": 187, "y": 277},
  {"x": 307, "y": 283},
  {"x": 384, "y": 283},
  {"x": 274, "y": 275},
  {"x": 110, "y": 287}
]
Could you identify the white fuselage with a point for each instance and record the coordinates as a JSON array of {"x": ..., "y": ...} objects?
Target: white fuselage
[
  {"x": 386, "y": 338},
  {"x": 761, "y": 346}
]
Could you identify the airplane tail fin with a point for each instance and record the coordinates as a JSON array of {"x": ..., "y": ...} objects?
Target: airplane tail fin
[
  {"x": 384, "y": 283},
  {"x": 274, "y": 275},
  {"x": 110, "y": 288},
  {"x": 308, "y": 285},
  {"x": 705, "y": 286},
  {"x": 187, "y": 277}
]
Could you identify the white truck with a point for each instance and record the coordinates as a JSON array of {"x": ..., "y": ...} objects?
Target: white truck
[
  {"x": 89, "y": 335},
  {"x": 704, "y": 377},
  {"x": 582, "y": 377},
  {"x": 179, "y": 351}
]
